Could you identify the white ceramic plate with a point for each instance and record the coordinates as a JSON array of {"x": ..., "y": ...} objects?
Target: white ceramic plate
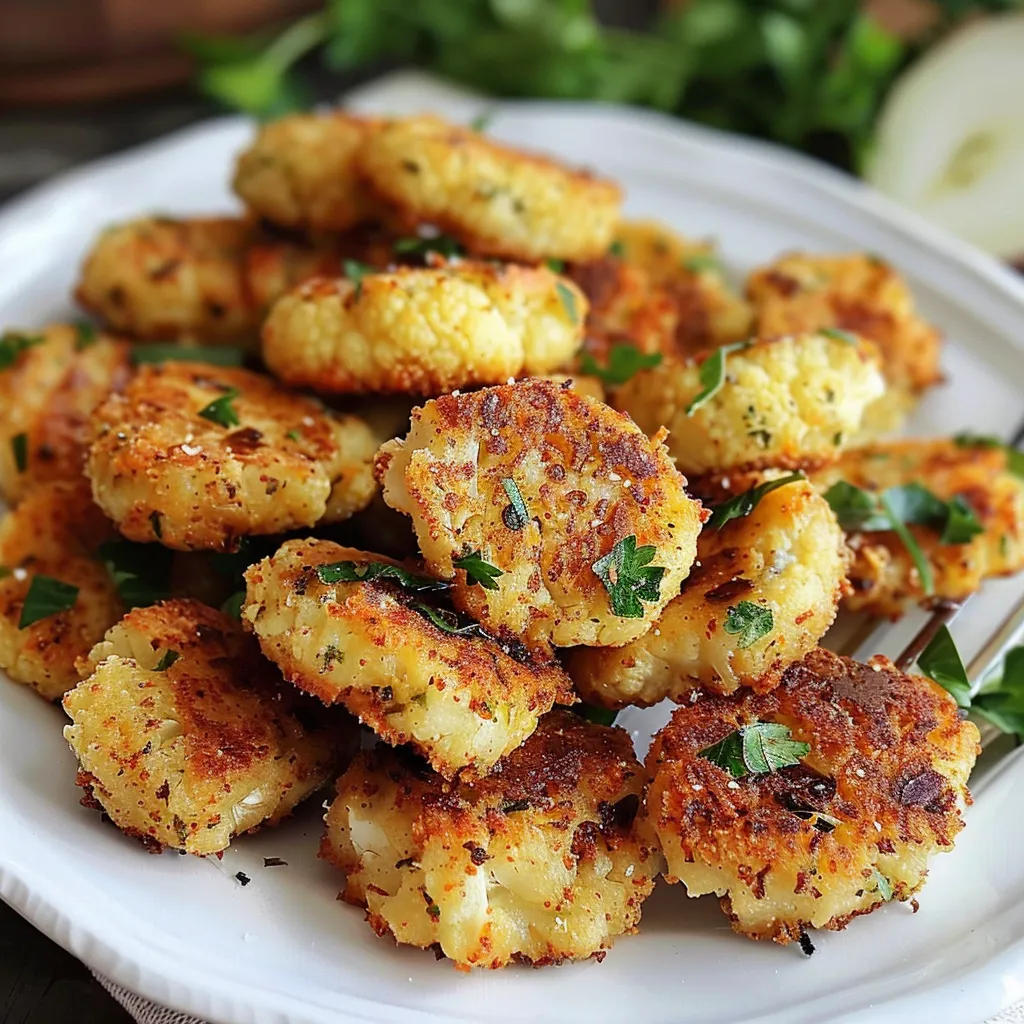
[{"x": 182, "y": 931}]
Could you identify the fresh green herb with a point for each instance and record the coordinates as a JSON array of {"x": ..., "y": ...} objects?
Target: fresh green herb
[
  {"x": 141, "y": 572},
  {"x": 215, "y": 355},
  {"x": 600, "y": 716},
  {"x": 166, "y": 661},
  {"x": 836, "y": 334},
  {"x": 451, "y": 622},
  {"x": 46, "y": 596},
  {"x": 701, "y": 263},
  {"x": 756, "y": 749},
  {"x": 882, "y": 885},
  {"x": 293, "y": 435},
  {"x": 555, "y": 266},
  {"x": 629, "y": 578},
  {"x": 751, "y": 622},
  {"x": 478, "y": 571},
  {"x": 355, "y": 272},
  {"x": 1014, "y": 457},
  {"x": 19, "y": 448},
  {"x": 568, "y": 297},
  {"x": 899, "y": 527},
  {"x": 221, "y": 411},
  {"x": 745, "y": 503},
  {"x": 87, "y": 334},
  {"x": 482, "y": 120},
  {"x": 443, "y": 245},
  {"x": 12, "y": 344},
  {"x": 961, "y": 523},
  {"x": 712, "y": 374},
  {"x": 617, "y": 249},
  {"x": 232, "y": 606},
  {"x": 356, "y": 572},
  {"x": 328, "y": 656},
  {"x": 624, "y": 362},
  {"x": 514, "y": 515},
  {"x": 1002, "y": 701},
  {"x": 941, "y": 661},
  {"x": 433, "y": 911}
]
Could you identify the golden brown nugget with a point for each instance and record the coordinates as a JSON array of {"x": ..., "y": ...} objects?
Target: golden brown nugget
[
  {"x": 50, "y": 381},
  {"x": 776, "y": 403},
  {"x": 411, "y": 671},
  {"x": 424, "y": 331},
  {"x": 874, "y": 781},
  {"x": 56, "y": 597},
  {"x": 496, "y": 200},
  {"x": 196, "y": 457},
  {"x": 538, "y": 863},
  {"x": 186, "y": 737},
  {"x": 764, "y": 590},
  {"x": 300, "y": 172},
  {"x": 884, "y": 577},
  {"x": 582, "y": 524}
]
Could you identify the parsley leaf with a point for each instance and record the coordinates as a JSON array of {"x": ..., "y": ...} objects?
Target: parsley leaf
[
  {"x": 46, "y": 596},
  {"x": 711, "y": 374},
  {"x": 600, "y": 716},
  {"x": 141, "y": 572},
  {"x": 628, "y": 577},
  {"x": 624, "y": 362},
  {"x": 1002, "y": 703},
  {"x": 701, "y": 262},
  {"x": 837, "y": 334},
  {"x": 479, "y": 571},
  {"x": 232, "y": 606},
  {"x": 756, "y": 749},
  {"x": 87, "y": 334},
  {"x": 568, "y": 297},
  {"x": 941, "y": 661},
  {"x": 443, "y": 245},
  {"x": 558, "y": 266},
  {"x": 12, "y": 344},
  {"x": 750, "y": 622},
  {"x": 451, "y": 622},
  {"x": 166, "y": 661},
  {"x": 349, "y": 572},
  {"x": 355, "y": 272},
  {"x": 481, "y": 121},
  {"x": 617, "y": 249},
  {"x": 745, "y": 503},
  {"x": 1014, "y": 457},
  {"x": 961, "y": 523},
  {"x": 221, "y": 411},
  {"x": 215, "y": 355},
  {"x": 882, "y": 885},
  {"x": 514, "y": 515},
  {"x": 924, "y": 568},
  {"x": 19, "y": 449}
]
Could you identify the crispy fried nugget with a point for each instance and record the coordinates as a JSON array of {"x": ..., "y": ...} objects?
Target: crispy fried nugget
[
  {"x": 187, "y": 737},
  {"x": 783, "y": 402},
  {"x": 538, "y": 863},
  {"x": 461, "y": 699},
  {"x": 424, "y": 331},
  {"x": 196, "y": 457},
  {"x": 764, "y": 590},
  {"x": 852, "y": 825},
  {"x": 160, "y": 277},
  {"x": 586, "y": 519},
  {"x": 54, "y": 533},
  {"x": 496, "y": 200},
  {"x": 884, "y": 577},
  {"x": 55, "y": 380},
  {"x": 300, "y": 172}
]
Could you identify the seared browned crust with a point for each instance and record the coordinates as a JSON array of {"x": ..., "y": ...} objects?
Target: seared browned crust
[{"x": 889, "y": 760}]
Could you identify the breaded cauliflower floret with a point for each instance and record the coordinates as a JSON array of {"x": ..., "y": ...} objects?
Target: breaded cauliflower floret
[
  {"x": 424, "y": 331},
  {"x": 410, "y": 672},
  {"x": 55, "y": 532},
  {"x": 785, "y": 402},
  {"x": 496, "y": 200},
  {"x": 57, "y": 378},
  {"x": 764, "y": 590},
  {"x": 538, "y": 863},
  {"x": 884, "y": 577},
  {"x": 195, "y": 457},
  {"x": 849, "y": 826},
  {"x": 586, "y": 519},
  {"x": 300, "y": 172},
  {"x": 187, "y": 737},
  {"x": 160, "y": 277}
]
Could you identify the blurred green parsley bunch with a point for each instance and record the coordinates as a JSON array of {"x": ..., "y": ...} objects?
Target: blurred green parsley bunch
[{"x": 808, "y": 73}]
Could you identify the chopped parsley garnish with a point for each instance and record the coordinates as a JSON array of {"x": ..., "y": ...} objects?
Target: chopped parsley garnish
[
  {"x": 166, "y": 661},
  {"x": 349, "y": 572},
  {"x": 451, "y": 622},
  {"x": 355, "y": 272},
  {"x": 87, "y": 334},
  {"x": 556, "y": 266},
  {"x": 568, "y": 297},
  {"x": 756, "y": 749},
  {"x": 141, "y": 572},
  {"x": 617, "y": 249},
  {"x": 751, "y": 622},
  {"x": 46, "y": 596},
  {"x": 215, "y": 355},
  {"x": 600, "y": 716},
  {"x": 701, "y": 262},
  {"x": 837, "y": 334},
  {"x": 12, "y": 344},
  {"x": 479, "y": 571},
  {"x": 481, "y": 121},
  {"x": 712, "y": 374},
  {"x": 514, "y": 515},
  {"x": 882, "y": 885},
  {"x": 941, "y": 661},
  {"x": 443, "y": 245},
  {"x": 1014, "y": 458},
  {"x": 328, "y": 656},
  {"x": 745, "y": 503},
  {"x": 629, "y": 578},
  {"x": 624, "y": 362},
  {"x": 221, "y": 411},
  {"x": 232, "y": 606},
  {"x": 19, "y": 449},
  {"x": 293, "y": 435}
]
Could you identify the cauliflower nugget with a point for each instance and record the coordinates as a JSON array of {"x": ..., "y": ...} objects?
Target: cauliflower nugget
[
  {"x": 300, "y": 172},
  {"x": 554, "y": 516},
  {"x": 973, "y": 476},
  {"x": 413, "y": 671},
  {"x": 764, "y": 590},
  {"x": 49, "y": 385},
  {"x": 56, "y": 597},
  {"x": 424, "y": 331},
  {"x": 814, "y": 803},
  {"x": 196, "y": 456},
  {"x": 187, "y": 737},
  {"x": 783, "y": 402},
  {"x": 496, "y": 200},
  {"x": 538, "y": 863},
  {"x": 161, "y": 277}
]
